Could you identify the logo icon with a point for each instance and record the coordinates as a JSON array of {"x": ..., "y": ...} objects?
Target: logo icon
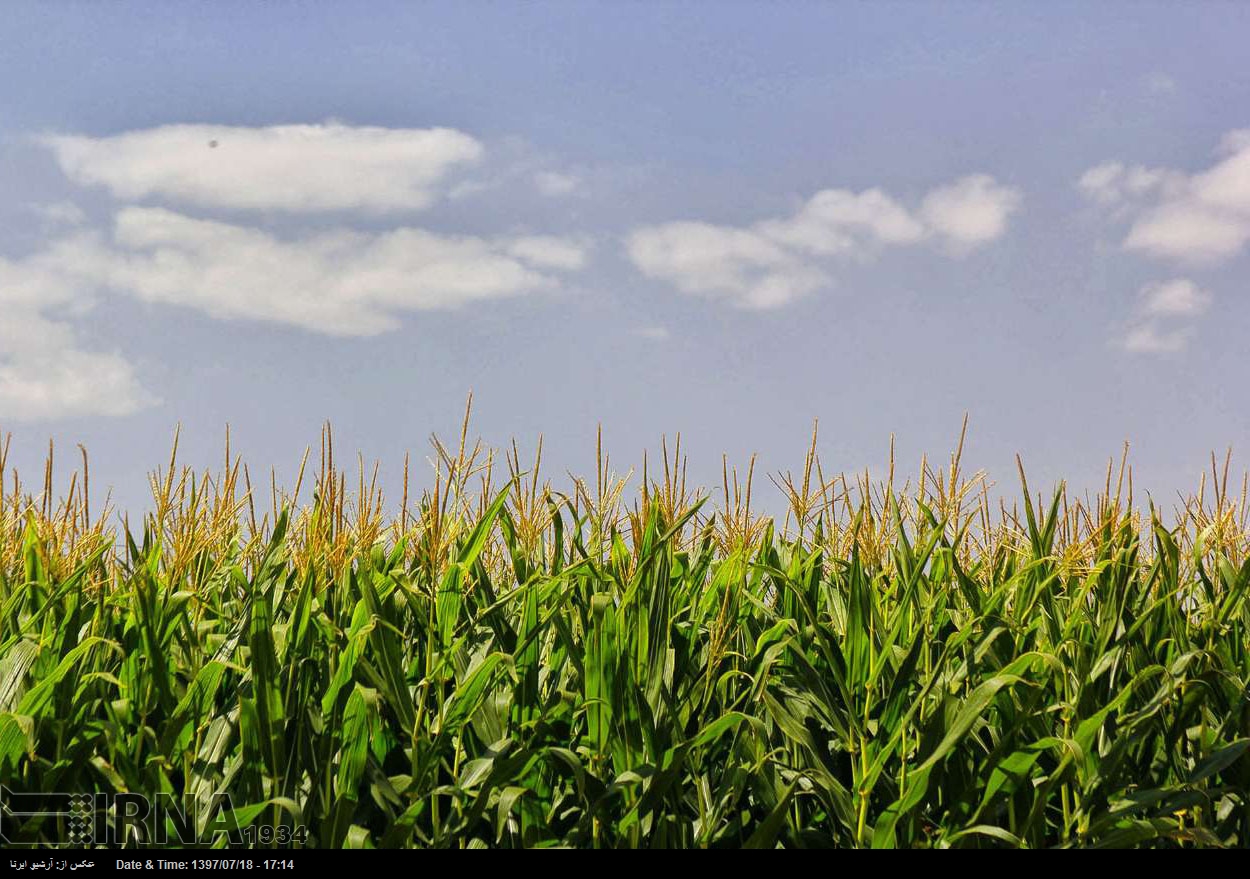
[{"x": 31, "y": 818}]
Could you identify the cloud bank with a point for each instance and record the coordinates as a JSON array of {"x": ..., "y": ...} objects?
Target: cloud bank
[
  {"x": 293, "y": 168},
  {"x": 775, "y": 261},
  {"x": 1201, "y": 218},
  {"x": 340, "y": 282},
  {"x": 1163, "y": 320},
  {"x": 166, "y": 245},
  {"x": 45, "y": 369}
]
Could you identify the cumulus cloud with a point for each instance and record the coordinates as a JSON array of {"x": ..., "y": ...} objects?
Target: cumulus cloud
[
  {"x": 1180, "y": 297},
  {"x": 45, "y": 371},
  {"x": 73, "y": 383},
  {"x": 835, "y": 221},
  {"x": 549, "y": 252},
  {"x": 1200, "y": 218},
  {"x": 971, "y": 211},
  {"x": 339, "y": 282},
  {"x": 777, "y": 260},
  {"x": 165, "y": 245},
  {"x": 1113, "y": 183},
  {"x": 1189, "y": 231},
  {"x": 1163, "y": 319},
  {"x": 1149, "y": 338},
  {"x": 722, "y": 262},
  {"x": 283, "y": 167}
]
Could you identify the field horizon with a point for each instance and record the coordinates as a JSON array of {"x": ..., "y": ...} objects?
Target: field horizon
[
  {"x": 622, "y": 425},
  {"x": 898, "y": 663},
  {"x": 386, "y": 490}
]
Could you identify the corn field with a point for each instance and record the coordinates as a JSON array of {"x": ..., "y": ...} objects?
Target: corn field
[{"x": 510, "y": 662}]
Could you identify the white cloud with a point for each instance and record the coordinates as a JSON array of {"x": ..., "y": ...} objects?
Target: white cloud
[
  {"x": 723, "y": 262},
  {"x": 1187, "y": 230},
  {"x": 777, "y": 260},
  {"x": 1178, "y": 297},
  {"x": 554, "y": 183},
  {"x": 338, "y": 282},
  {"x": 836, "y": 221},
  {"x": 45, "y": 280},
  {"x": 1162, "y": 321},
  {"x": 74, "y": 383},
  {"x": 971, "y": 211},
  {"x": 45, "y": 372},
  {"x": 549, "y": 252},
  {"x": 1191, "y": 218},
  {"x": 1149, "y": 338},
  {"x": 1101, "y": 182},
  {"x": 1226, "y": 185},
  {"x": 284, "y": 167},
  {"x": 655, "y": 334},
  {"x": 1114, "y": 184}
]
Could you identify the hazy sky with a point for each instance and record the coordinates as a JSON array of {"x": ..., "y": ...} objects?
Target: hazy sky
[{"x": 724, "y": 219}]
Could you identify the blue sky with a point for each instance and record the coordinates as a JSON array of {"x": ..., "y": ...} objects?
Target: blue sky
[{"x": 723, "y": 219}]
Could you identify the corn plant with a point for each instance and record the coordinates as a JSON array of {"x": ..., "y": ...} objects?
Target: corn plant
[{"x": 506, "y": 664}]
